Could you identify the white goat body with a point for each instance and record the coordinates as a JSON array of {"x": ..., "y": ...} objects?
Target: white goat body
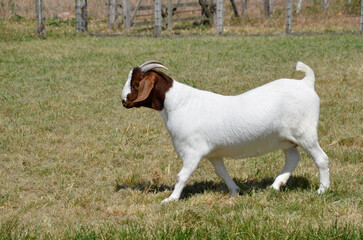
[
  {"x": 279, "y": 115},
  {"x": 262, "y": 120}
]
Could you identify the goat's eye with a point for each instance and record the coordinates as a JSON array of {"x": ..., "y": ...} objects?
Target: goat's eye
[{"x": 136, "y": 85}]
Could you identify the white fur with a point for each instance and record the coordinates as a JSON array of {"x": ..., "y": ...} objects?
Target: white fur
[
  {"x": 279, "y": 115},
  {"x": 127, "y": 87}
]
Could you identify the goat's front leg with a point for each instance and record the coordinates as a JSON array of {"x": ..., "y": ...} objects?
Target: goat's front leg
[{"x": 189, "y": 166}]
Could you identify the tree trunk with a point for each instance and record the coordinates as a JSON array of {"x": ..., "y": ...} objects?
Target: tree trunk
[
  {"x": 127, "y": 17},
  {"x": 234, "y": 7},
  {"x": 349, "y": 6},
  {"x": 111, "y": 13},
  {"x": 118, "y": 13},
  {"x": 81, "y": 16},
  {"x": 170, "y": 14},
  {"x": 220, "y": 17},
  {"x": 268, "y": 7},
  {"x": 288, "y": 16},
  {"x": 213, "y": 11},
  {"x": 244, "y": 7},
  {"x": 325, "y": 5},
  {"x": 205, "y": 9},
  {"x": 39, "y": 13},
  {"x": 298, "y": 6}
]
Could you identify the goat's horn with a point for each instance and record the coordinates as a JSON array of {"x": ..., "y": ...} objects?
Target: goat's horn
[
  {"x": 150, "y": 62},
  {"x": 150, "y": 65}
]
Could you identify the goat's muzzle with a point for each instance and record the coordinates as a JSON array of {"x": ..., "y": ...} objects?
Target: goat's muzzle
[{"x": 128, "y": 104}]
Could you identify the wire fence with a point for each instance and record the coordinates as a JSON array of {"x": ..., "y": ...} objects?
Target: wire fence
[{"x": 312, "y": 17}]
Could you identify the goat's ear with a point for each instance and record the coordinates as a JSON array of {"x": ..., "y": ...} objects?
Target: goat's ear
[{"x": 145, "y": 87}]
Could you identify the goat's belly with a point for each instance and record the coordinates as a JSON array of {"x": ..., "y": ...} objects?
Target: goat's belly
[{"x": 250, "y": 149}]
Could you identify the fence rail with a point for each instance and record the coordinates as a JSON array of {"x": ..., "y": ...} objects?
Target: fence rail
[
  {"x": 170, "y": 9},
  {"x": 175, "y": 5}
]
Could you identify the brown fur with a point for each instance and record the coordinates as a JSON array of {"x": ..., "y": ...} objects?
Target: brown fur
[{"x": 152, "y": 83}]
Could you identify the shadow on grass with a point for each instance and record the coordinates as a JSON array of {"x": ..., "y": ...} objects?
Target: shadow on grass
[{"x": 246, "y": 187}]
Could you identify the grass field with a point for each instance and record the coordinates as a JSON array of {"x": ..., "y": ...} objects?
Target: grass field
[{"x": 74, "y": 164}]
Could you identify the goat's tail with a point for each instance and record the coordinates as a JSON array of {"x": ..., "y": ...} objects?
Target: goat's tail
[{"x": 309, "y": 73}]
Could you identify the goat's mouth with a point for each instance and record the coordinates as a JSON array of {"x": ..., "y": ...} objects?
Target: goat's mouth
[{"x": 128, "y": 104}]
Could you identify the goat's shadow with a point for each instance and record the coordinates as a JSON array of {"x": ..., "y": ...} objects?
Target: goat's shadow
[{"x": 246, "y": 186}]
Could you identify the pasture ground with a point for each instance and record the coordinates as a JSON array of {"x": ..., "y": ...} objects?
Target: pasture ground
[{"x": 74, "y": 164}]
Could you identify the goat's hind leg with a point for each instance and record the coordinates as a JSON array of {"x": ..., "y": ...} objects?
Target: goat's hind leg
[
  {"x": 322, "y": 162},
  {"x": 292, "y": 158},
  {"x": 221, "y": 171}
]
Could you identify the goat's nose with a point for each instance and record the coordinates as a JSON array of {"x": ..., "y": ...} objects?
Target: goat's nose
[{"x": 123, "y": 102}]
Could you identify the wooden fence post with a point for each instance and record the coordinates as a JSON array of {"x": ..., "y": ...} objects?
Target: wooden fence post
[
  {"x": 81, "y": 16},
  {"x": 325, "y": 5},
  {"x": 244, "y": 7},
  {"x": 288, "y": 16},
  {"x": 111, "y": 13},
  {"x": 118, "y": 14},
  {"x": 298, "y": 6},
  {"x": 361, "y": 17},
  {"x": 157, "y": 12},
  {"x": 127, "y": 23},
  {"x": 39, "y": 13},
  {"x": 268, "y": 7},
  {"x": 170, "y": 14},
  {"x": 219, "y": 17}
]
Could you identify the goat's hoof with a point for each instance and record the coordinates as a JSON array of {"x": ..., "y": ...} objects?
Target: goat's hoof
[
  {"x": 275, "y": 187},
  {"x": 168, "y": 200},
  {"x": 322, "y": 189},
  {"x": 235, "y": 192}
]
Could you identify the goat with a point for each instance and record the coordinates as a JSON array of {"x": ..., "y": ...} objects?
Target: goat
[{"x": 282, "y": 114}]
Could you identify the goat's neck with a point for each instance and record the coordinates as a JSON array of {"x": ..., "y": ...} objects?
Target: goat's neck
[{"x": 176, "y": 97}]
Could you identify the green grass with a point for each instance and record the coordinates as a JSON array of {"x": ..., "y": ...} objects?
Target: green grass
[{"x": 74, "y": 164}]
